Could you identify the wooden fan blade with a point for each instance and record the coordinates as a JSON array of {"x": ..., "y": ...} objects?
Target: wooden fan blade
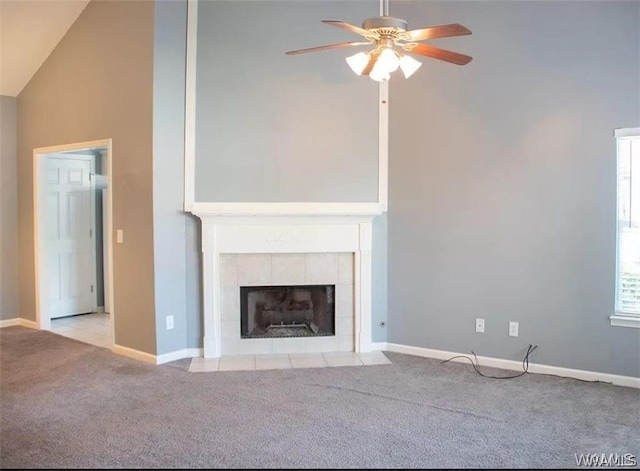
[
  {"x": 373, "y": 57},
  {"x": 348, "y": 27},
  {"x": 433, "y": 32},
  {"x": 442, "y": 54},
  {"x": 328, "y": 46}
]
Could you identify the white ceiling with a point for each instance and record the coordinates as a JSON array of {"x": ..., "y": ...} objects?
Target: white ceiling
[{"x": 29, "y": 31}]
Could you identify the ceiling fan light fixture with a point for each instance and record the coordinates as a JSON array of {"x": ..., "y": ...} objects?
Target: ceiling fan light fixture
[
  {"x": 409, "y": 65},
  {"x": 358, "y": 62},
  {"x": 388, "y": 60},
  {"x": 379, "y": 73}
]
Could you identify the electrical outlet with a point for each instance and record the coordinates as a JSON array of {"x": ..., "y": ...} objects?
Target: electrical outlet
[
  {"x": 169, "y": 322},
  {"x": 513, "y": 329},
  {"x": 119, "y": 236},
  {"x": 480, "y": 325}
]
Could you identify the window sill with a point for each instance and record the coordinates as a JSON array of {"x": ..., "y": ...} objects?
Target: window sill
[{"x": 623, "y": 320}]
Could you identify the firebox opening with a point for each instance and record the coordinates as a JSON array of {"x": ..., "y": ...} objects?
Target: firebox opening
[{"x": 287, "y": 311}]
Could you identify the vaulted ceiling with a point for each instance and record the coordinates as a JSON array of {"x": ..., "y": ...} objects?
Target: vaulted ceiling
[{"x": 29, "y": 32}]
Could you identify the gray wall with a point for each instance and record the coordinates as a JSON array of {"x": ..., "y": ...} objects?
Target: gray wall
[
  {"x": 194, "y": 290},
  {"x": 97, "y": 84},
  {"x": 272, "y": 127},
  {"x": 503, "y": 181},
  {"x": 8, "y": 206},
  {"x": 169, "y": 220},
  {"x": 379, "y": 289}
]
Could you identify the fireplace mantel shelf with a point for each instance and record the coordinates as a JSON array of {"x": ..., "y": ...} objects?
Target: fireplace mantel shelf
[{"x": 207, "y": 210}]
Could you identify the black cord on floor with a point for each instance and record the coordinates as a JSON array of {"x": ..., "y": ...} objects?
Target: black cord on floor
[
  {"x": 476, "y": 364},
  {"x": 525, "y": 367},
  {"x": 577, "y": 379}
]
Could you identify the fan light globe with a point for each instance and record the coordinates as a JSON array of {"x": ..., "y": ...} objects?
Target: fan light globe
[
  {"x": 379, "y": 73},
  {"x": 409, "y": 65},
  {"x": 389, "y": 60},
  {"x": 358, "y": 62}
]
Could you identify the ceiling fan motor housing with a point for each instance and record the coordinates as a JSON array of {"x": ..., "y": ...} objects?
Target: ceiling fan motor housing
[{"x": 384, "y": 22}]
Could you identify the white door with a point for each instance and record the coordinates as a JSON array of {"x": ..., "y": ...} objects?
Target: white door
[{"x": 70, "y": 227}]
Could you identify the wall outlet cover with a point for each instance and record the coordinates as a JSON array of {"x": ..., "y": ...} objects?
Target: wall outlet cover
[{"x": 513, "y": 329}]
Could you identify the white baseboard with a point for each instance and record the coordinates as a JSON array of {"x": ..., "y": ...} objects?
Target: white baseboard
[
  {"x": 135, "y": 354},
  {"x": 28, "y": 323},
  {"x": 156, "y": 359},
  {"x": 618, "y": 380},
  {"x": 375, "y": 346},
  {"x": 119, "y": 349},
  {"x": 19, "y": 321},
  {"x": 179, "y": 355}
]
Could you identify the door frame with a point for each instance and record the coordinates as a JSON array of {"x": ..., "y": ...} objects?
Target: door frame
[{"x": 43, "y": 318}]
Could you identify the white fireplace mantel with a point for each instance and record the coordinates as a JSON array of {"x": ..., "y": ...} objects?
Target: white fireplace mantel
[{"x": 272, "y": 228}]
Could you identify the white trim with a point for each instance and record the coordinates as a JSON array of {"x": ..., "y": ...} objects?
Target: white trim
[
  {"x": 287, "y": 209},
  {"x": 190, "y": 204},
  {"x": 27, "y": 323},
  {"x": 179, "y": 355},
  {"x": 622, "y": 320},
  {"x": 383, "y": 145},
  {"x": 190, "y": 105},
  {"x": 626, "y": 132},
  {"x": 9, "y": 322},
  {"x": 109, "y": 237},
  {"x": 491, "y": 362},
  {"x": 379, "y": 346},
  {"x": 76, "y": 146},
  {"x": 43, "y": 320},
  {"x": 133, "y": 353},
  {"x": 19, "y": 321},
  {"x": 156, "y": 359}
]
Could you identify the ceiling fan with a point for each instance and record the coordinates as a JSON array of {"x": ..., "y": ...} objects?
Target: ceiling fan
[{"x": 388, "y": 35}]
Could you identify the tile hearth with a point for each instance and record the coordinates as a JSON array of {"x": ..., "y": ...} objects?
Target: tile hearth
[{"x": 286, "y": 361}]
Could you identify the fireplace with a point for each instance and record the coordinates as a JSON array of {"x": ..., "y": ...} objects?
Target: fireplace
[
  {"x": 287, "y": 311},
  {"x": 305, "y": 249}
]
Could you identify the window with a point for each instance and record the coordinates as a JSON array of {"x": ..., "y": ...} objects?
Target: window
[{"x": 628, "y": 229}]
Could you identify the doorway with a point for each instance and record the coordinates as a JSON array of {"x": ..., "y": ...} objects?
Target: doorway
[{"x": 72, "y": 234}]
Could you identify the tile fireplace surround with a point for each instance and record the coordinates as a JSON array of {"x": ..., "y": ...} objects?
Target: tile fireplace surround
[
  {"x": 286, "y": 269},
  {"x": 264, "y": 250}
]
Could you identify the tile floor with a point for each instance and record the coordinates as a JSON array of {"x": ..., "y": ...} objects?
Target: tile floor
[
  {"x": 89, "y": 328},
  {"x": 284, "y": 361},
  {"x": 95, "y": 329}
]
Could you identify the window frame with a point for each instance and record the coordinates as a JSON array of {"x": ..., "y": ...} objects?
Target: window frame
[{"x": 620, "y": 318}]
